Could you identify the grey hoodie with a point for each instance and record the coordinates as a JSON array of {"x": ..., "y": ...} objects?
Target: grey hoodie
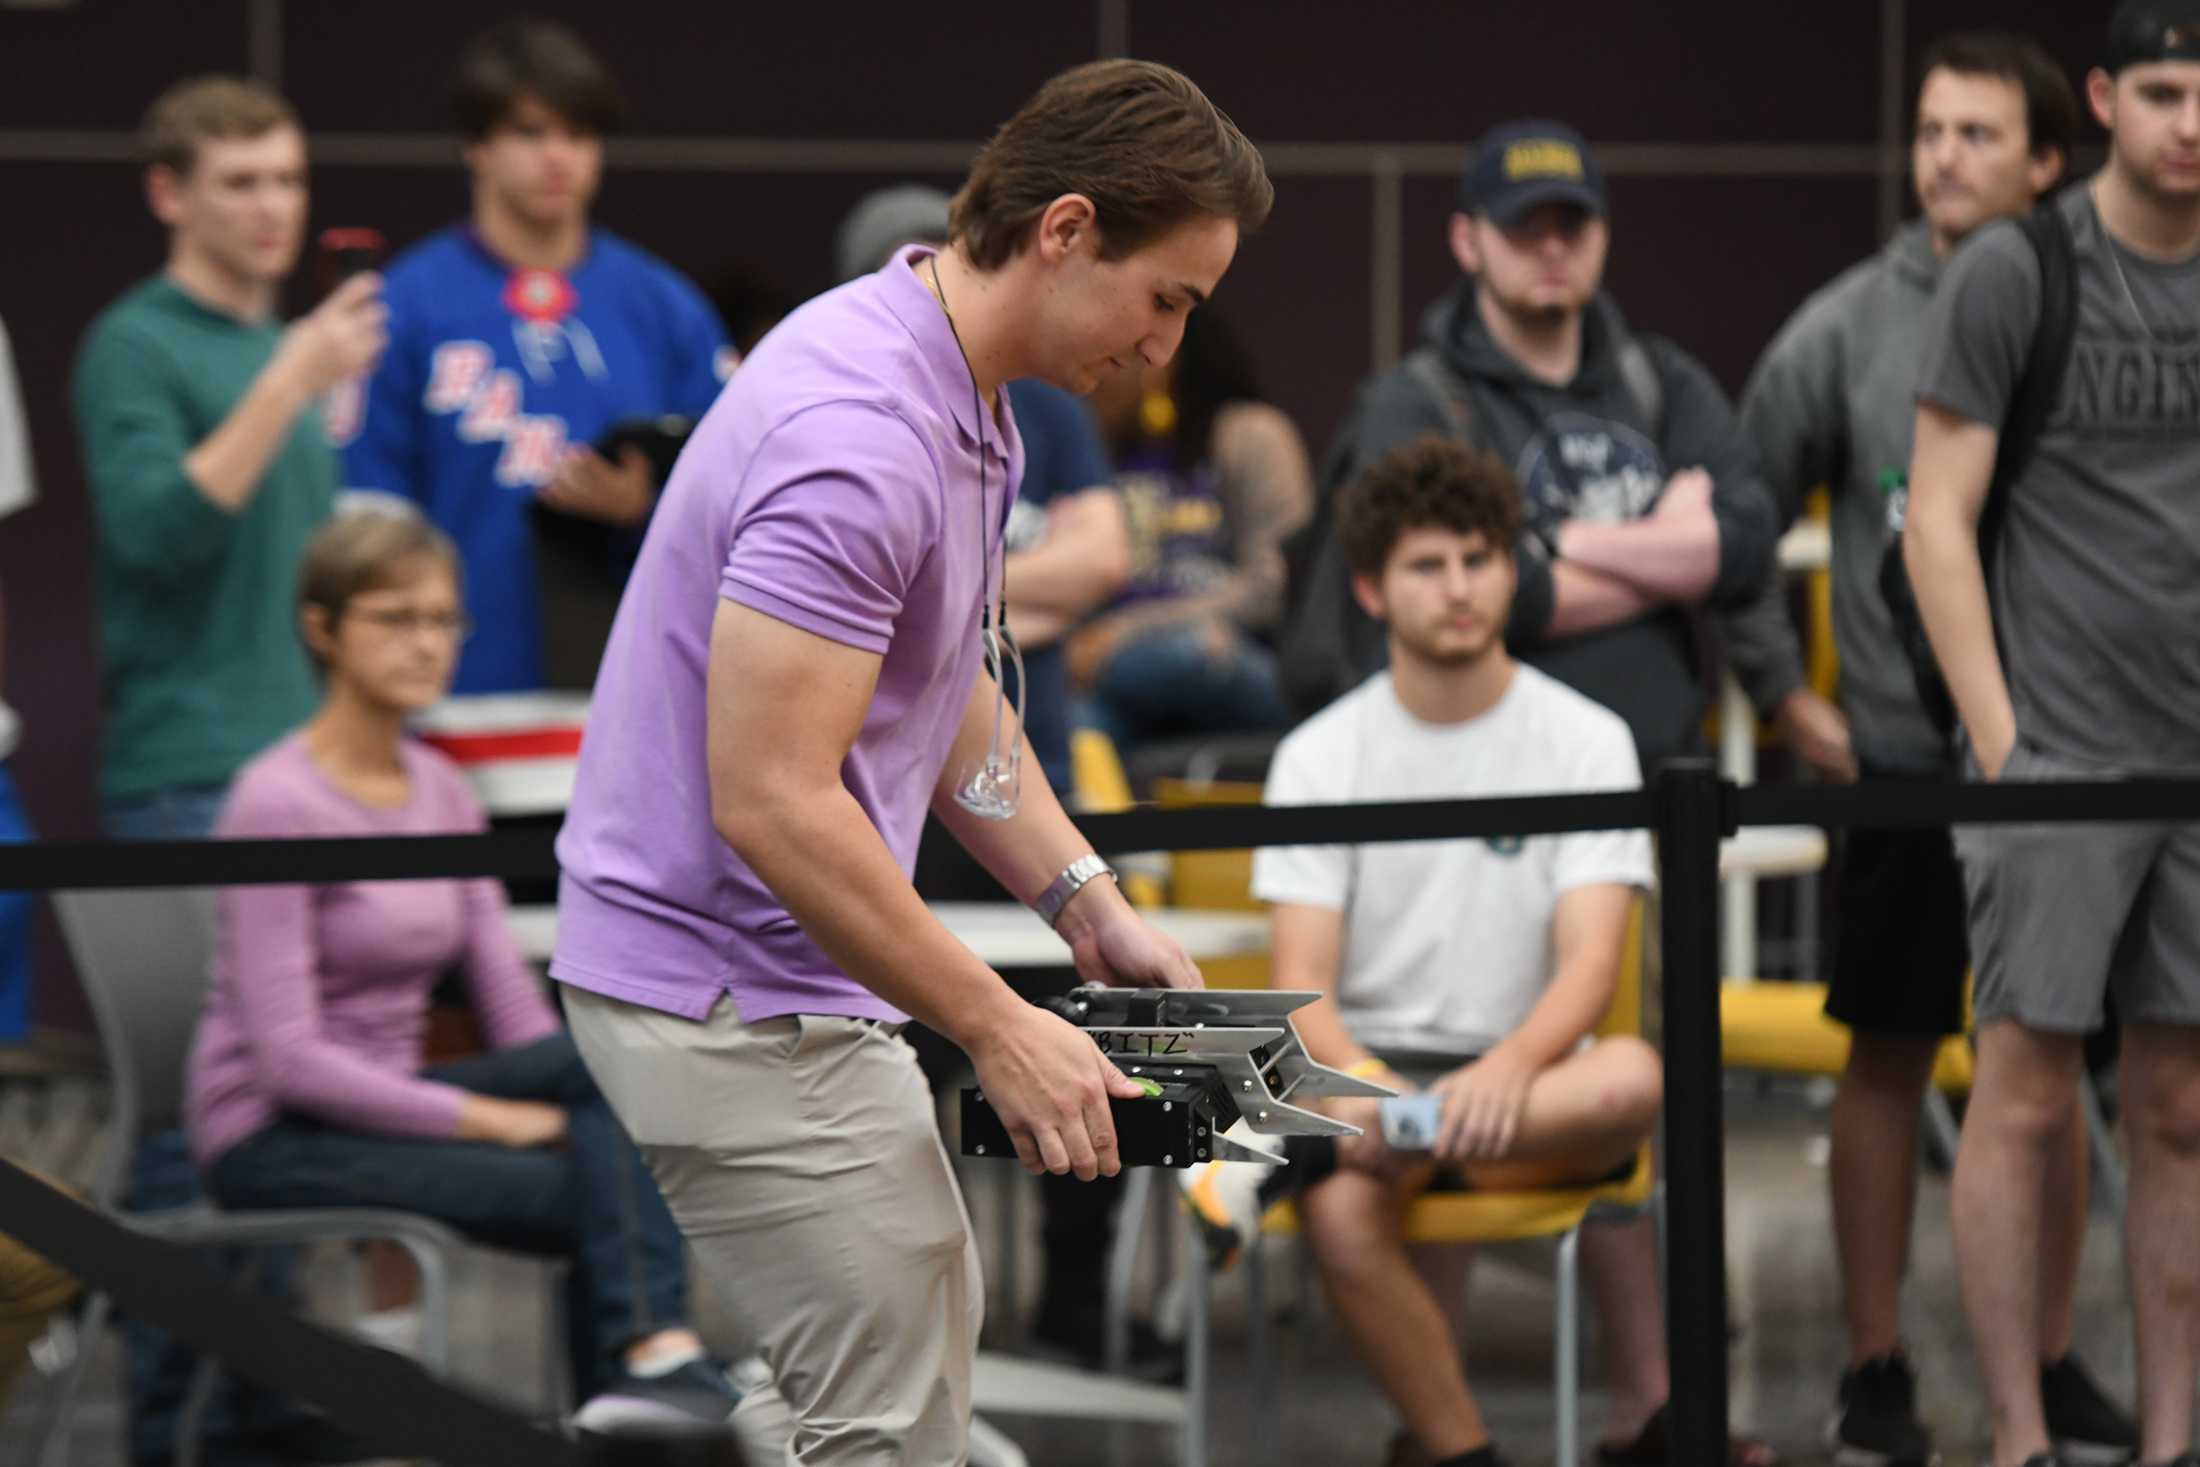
[
  {"x": 1833, "y": 401},
  {"x": 1584, "y": 450}
]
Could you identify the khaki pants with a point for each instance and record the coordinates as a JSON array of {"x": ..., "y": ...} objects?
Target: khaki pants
[{"x": 800, "y": 1158}]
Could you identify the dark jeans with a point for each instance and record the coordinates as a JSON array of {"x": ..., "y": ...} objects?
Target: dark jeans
[
  {"x": 1167, "y": 683},
  {"x": 590, "y": 1200}
]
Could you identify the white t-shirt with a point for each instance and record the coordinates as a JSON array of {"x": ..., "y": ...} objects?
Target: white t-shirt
[
  {"x": 17, "y": 489},
  {"x": 1447, "y": 944}
]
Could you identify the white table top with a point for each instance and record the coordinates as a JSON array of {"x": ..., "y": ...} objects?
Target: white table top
[
  {"x": 1002, "y": 934},
  {"x": 1773, "y": 850},
  {"x": 1807, "y": 547}
]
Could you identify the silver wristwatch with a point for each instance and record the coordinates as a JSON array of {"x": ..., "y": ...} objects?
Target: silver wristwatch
[{"x": 1068, "y": 884}]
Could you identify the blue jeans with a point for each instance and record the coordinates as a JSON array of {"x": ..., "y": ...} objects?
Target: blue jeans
[
  {"x": 592, "y": 1200},
  {"x": 162, "y": 1176},
  {"x": 15, "y": 927},
  {"x": 1167, "y": 683}
]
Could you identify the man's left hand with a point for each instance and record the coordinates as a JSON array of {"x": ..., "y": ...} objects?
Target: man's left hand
[
  {"x": 593, "y": 487},
  {"x": 1116, "y": 946},
  {"x": 1483, "y": 1103}
]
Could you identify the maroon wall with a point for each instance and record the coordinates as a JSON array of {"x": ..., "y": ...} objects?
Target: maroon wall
[{"x": 1747, "y": 161}]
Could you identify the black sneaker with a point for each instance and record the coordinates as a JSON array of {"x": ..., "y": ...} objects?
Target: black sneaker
[
  {"x": 1877, "y": 1424},
  {"x": 2087, "y": 1428},
  {"x": 695, "y": 1394}
]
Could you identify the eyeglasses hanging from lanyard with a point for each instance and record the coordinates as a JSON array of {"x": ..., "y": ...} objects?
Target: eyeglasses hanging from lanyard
[{"x": 992, "y": 787}]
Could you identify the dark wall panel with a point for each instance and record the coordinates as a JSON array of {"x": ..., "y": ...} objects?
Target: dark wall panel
[
  {"x": 96, "y": 64},
  {"x": 760, "y": 71},
  {"x": 1709, "y": 71},
  {"x": 1299, "y": 292}
]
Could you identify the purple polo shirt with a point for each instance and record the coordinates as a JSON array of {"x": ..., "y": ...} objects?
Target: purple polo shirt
[{"x": 833, "y": 486}]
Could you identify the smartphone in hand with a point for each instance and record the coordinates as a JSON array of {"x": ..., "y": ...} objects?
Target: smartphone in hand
[
  {"x": 1412, "y": 1122},
  {"x": 346, "y": 252}
]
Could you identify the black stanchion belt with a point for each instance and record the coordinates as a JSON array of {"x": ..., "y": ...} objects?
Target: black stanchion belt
[
  {"x": 383, "y": 1397},
  {"x": 528, "y": 855}
]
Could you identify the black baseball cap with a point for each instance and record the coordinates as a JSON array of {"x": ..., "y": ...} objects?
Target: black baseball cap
[
  {"x": 2152, "y": 30},
  {"x": 1519, "y": 165}
]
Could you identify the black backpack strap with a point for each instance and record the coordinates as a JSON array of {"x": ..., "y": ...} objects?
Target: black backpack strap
[
  {"x": 1640, "y": 374},
  {"x": 1445, "y": 387},
  {"x": 2039, "y": 385}
]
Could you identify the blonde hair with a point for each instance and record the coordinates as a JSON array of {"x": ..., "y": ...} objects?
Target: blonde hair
[
  {"x": 209, "y": 107},
  {"x": 368, "y": 547}
]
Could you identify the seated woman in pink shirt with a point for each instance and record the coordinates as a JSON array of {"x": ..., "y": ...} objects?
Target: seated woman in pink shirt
[{"x": 305, "y": 1086}]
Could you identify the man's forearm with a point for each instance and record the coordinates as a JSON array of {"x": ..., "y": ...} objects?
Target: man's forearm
[
  {"x": 827, "y": 864},
  {"x": 1026, "y": 852},
  {"x": 1665, "y": 559},
  {"x": 1940, "y": 551},
  {"x": 1585, "y": 600},
  {"x": 229, "y": 463},
  {"x": 1569, "y": 1009}
]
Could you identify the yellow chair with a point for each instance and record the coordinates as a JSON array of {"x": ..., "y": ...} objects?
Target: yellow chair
[
  {"x": 1488, "y": 1217},
  {"x": 1782, "y": 1028},
  {"x": 1215, "y": 880},
  {"x": 1100, "y": 787}
]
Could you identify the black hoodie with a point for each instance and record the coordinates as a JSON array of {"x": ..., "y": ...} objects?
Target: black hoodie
[{"x": 1587, "y": 450}]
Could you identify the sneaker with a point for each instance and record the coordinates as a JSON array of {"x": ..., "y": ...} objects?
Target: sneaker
[
  {"x": 1223, "y": 1198},
  {"x": 2087, "y": 1428},
  {"x": 1877, "y": 1423},
  {"x": 693, "y": 1393}
]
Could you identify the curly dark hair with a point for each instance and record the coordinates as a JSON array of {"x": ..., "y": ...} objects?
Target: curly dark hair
[{"x": 1431, "y": 483}]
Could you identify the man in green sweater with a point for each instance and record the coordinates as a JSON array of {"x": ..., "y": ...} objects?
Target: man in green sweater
[
  {"x": 201, "y": 425},
  {"x": 200, "y": 415}
]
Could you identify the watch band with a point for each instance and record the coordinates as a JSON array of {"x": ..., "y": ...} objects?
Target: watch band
[{"x": 1068, "y": 884}]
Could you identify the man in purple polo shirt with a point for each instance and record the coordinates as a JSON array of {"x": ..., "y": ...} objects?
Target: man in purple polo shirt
[{"x": 794, "y": 678}]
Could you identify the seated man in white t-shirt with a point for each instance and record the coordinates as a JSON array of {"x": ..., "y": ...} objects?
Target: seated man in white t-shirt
[{"x": 1478, "y": 970}]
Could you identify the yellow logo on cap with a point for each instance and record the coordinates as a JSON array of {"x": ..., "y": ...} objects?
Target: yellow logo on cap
[{"x": 1542, "y": 158}]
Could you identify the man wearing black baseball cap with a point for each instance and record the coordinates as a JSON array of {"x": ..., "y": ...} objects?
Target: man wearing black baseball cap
[
  {"x": 1642, "y": 494},
  {"x": 1642, "y": 503},
  {"x": 2081, "y": 660}
]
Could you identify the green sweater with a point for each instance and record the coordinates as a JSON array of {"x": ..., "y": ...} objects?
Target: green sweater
[{"x": 202, "y": 666}]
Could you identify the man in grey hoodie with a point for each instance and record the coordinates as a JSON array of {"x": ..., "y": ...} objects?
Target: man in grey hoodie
[
  {"x": 1643, "y": 497},
  {"x": 1833, "y": 402}
]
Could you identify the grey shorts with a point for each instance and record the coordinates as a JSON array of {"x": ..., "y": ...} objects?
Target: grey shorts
[{"x": 2061, "y": 914}]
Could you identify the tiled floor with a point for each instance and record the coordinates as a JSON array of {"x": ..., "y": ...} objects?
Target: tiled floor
[{"x": 1784, "y": 1297}]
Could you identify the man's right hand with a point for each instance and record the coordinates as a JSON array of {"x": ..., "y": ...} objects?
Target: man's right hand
[
  {"x": 337, "y": 340},
  {"x": 1686, "y": 495},
  {"x": 1050, "y": 1085},
  {"x": 519, "y": 1124},
  {"x": 1818, "y": 733}
]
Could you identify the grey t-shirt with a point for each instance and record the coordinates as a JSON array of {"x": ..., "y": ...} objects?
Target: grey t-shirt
[{"x": 2096, "y": 589}]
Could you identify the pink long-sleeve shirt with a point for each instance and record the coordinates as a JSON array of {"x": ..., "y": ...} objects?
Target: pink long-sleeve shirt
[{"x": 319, "y": 998}]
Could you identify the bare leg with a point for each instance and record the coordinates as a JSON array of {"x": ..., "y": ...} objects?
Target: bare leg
[
  {"x": 1872, "y": 1170},
  {"x": 2062, "y": 1236},
  {"x": 1446, "y": 1269},
  {"x": 1354, "y": 1222},
  {"x": 1585, "y": 1115},
  {"x": 2027, "y": 1082},
  {"x": 2161, "y": 1084},
  {"x": 1621, "y": 1263}
]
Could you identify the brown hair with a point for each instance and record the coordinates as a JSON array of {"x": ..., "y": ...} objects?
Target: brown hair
[
  {"x": 1137, "y": 138},
  {"x": 1431, "y": 483},
  {"x": 205, "y": 108},
  {"x": 534, "y": 58},
  {"x": 2050, "y": 104},
  {"x": 368, "y": 549}
]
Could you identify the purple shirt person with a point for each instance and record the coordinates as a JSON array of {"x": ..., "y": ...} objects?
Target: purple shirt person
[{"x": 795, "y": 677}]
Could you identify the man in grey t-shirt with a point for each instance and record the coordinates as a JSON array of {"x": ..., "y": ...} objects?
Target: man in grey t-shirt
[
  {"x": 1832, "y": 402},
  {"x": 2096, "y": 605}
]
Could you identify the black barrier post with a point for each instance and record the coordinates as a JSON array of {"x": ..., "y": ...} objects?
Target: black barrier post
[{"x": 1691, "y": 817}]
